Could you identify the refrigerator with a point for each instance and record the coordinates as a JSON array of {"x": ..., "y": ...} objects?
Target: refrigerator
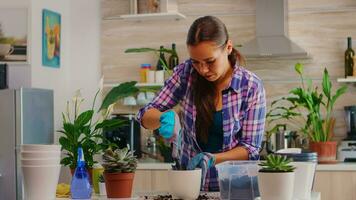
[{"x": 26, "y": 117}]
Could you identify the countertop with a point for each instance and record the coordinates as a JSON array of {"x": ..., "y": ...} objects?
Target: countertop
[
  {"x": 320, "y": 167},
  {"x": 314, "y": 196}
]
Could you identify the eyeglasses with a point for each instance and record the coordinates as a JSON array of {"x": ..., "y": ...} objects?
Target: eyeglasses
[{"x": 208, "y": 63}]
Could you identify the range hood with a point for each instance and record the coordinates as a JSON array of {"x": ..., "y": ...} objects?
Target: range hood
[{"x": 272, "y": 33}]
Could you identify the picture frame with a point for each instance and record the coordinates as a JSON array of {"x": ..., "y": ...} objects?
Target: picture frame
[{"x": 51, "y": 38}]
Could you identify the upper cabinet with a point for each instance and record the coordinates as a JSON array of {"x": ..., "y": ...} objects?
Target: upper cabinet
[{"x": 151, "y": 9}]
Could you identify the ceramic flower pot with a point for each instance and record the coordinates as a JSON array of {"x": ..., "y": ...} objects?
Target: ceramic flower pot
[
  {"x": 326, "y": 151},
  {"x": 102, "y": 189},
  {"x": 185, "y": 184},
  {"x": 276, "y": 185},
  {"x": 118, "y": 185}
]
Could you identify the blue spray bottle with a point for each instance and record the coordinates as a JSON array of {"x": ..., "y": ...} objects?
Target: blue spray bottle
[{"x": 80, "y": 187}]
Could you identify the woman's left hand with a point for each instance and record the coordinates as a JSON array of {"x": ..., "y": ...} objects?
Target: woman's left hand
[{"x": 202, "y": 160}]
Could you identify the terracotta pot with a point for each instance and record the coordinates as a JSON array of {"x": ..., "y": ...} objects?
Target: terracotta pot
[
  {"x": 326, "y": 151},
  {"x": 118, "y": 185},
  {"x": 90, "y": 171}
]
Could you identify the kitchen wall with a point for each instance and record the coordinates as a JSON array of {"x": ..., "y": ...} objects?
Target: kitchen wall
[
  {"x": 320, "y": 27},
  {"x": 80, "y": 46}
]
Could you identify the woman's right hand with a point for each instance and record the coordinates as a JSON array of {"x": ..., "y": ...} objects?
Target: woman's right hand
[{"x": 166, "y": 129}]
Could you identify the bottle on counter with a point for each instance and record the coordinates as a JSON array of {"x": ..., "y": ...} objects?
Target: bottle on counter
[
  {"x": 80, "y": 187},
  {"x": 349, "y": 62},
  {"x": 160, "y": 65},
  {"x": 173, "y": 59},
  {"x": 143, "y": 72}
]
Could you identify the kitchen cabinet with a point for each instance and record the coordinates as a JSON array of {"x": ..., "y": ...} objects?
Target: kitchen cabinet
[
  {"x": 338, "y": 185},
  {"x": 168, "y": 10}
]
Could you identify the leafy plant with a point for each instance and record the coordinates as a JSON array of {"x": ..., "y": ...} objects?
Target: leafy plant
[
  {"x": 119, "y": 161},
  {"x": 101, "y": 178},
  {"x": 156, "y": 51},
  {"x": 310, "y": 99},
  {"x": 79, "y": 129},
  {"x": 276, "y": 163}
]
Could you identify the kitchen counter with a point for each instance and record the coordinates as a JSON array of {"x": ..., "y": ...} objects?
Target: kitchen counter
[
  {"x": 320, "y": 167},
  {"x": 337, "y": 167},
  {"x": 314, "y": 196}
]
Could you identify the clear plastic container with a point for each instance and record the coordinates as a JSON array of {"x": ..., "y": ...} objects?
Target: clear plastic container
[{"x": 238, "y": 180}]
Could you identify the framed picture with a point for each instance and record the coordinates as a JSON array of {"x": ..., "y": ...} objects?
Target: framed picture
[
  {"x": 13, "y": 35},
  {"x": 51, "y": 38}
]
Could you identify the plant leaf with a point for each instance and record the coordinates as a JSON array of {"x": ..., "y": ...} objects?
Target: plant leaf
[
  {"x": 121, "y": 91},
  {"x": 326, "y": 84},
  {"x": 299, "y": 68},
  {"x": 84, "y": 118}
]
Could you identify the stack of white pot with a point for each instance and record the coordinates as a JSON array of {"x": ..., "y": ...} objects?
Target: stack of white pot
[{"x": 40, "y": 168}]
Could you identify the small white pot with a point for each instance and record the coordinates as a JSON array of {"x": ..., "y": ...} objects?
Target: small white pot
[
  {"x": 276, "y": 186},
  {"x": 102, "y": 189},
  {"x": 185, "y": 184}
]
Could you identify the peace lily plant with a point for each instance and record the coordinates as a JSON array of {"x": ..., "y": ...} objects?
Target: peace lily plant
[{"x": 84, "y": 129}]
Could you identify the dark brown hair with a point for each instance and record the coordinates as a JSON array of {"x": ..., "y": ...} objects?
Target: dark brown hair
[{"x": 211, "y": 29}]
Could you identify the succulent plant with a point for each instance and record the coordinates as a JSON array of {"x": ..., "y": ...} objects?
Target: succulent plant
[
  {"x": 119, "y": 161},
  {"x": 276, "y": 163}
]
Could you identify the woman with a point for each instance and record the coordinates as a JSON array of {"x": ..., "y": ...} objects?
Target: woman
[{"x": 223, "y": 104}]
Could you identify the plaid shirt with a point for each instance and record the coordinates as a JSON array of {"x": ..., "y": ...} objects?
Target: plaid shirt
[{"x": 243, "y": 107}]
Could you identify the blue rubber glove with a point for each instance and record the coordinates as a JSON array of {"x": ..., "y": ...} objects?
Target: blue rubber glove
[
  {"x": 167, "y": 120},
  {"x": 204, "y": 161}
]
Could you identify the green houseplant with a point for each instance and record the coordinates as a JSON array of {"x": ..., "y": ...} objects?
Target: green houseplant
[
  {"x": 85, "y": 129},
  {"x": 314, "y": 103},
  {"x": 276, "y": 178},
  {"x": 119, "y": 168}
]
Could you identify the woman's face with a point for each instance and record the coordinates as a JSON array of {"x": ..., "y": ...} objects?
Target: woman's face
[{"x": 210, "y": 61}]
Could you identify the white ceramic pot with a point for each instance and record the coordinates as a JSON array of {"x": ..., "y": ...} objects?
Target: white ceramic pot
[
  {"x": 276, "y": 186},
  {"x": 40, "y": 162},
  {"x": 185, "y": 184},
  {"x": 40, "y": 182},
  {"x": 40, "y": 154},
  {"x": 40, "y": 147},
  {"x": 102, "y": 189},
  {"x": 304, "y": 176}
]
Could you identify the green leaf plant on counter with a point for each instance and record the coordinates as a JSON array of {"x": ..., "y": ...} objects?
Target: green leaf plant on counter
[
  {"x": 276, "y": 163},
  {"x": 85, "y": 129},
  {"x": 155, "y": 51},
  {"x": 314, "y": 102}
]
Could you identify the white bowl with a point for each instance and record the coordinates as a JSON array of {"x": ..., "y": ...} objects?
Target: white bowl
[
  {"x": 40, "y": 154},
  {"x": 185, "y": 184},
  {"x": 40, "y": 182},
  {"x": 40, "y": 147},
  {"x": 40, "y": 162}
]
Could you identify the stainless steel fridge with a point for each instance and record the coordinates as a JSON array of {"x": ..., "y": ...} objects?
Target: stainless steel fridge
[{"x": 26, "y": 117}]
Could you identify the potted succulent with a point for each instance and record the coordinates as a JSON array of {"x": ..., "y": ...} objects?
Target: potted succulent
[
  {"x": 119, "y": 170},
  {"x": 85, "y": 129},
  {"x": 318, "y": 127},
  {"x": 276, "y": 178},
  {"x": 102, "y": 188}
]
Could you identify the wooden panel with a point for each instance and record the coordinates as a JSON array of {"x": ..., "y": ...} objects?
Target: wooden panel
[
  {"x": 322, "y": 184},
  {"x": 142, "y": 181}
]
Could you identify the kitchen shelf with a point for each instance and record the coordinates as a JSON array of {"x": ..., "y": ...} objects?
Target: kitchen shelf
[
  {"x": 137, "y": 84},
  {"x": 347, "y": 80},
  {"x": 168, "y": 10},
  {"x": 149, "y": 16}
]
